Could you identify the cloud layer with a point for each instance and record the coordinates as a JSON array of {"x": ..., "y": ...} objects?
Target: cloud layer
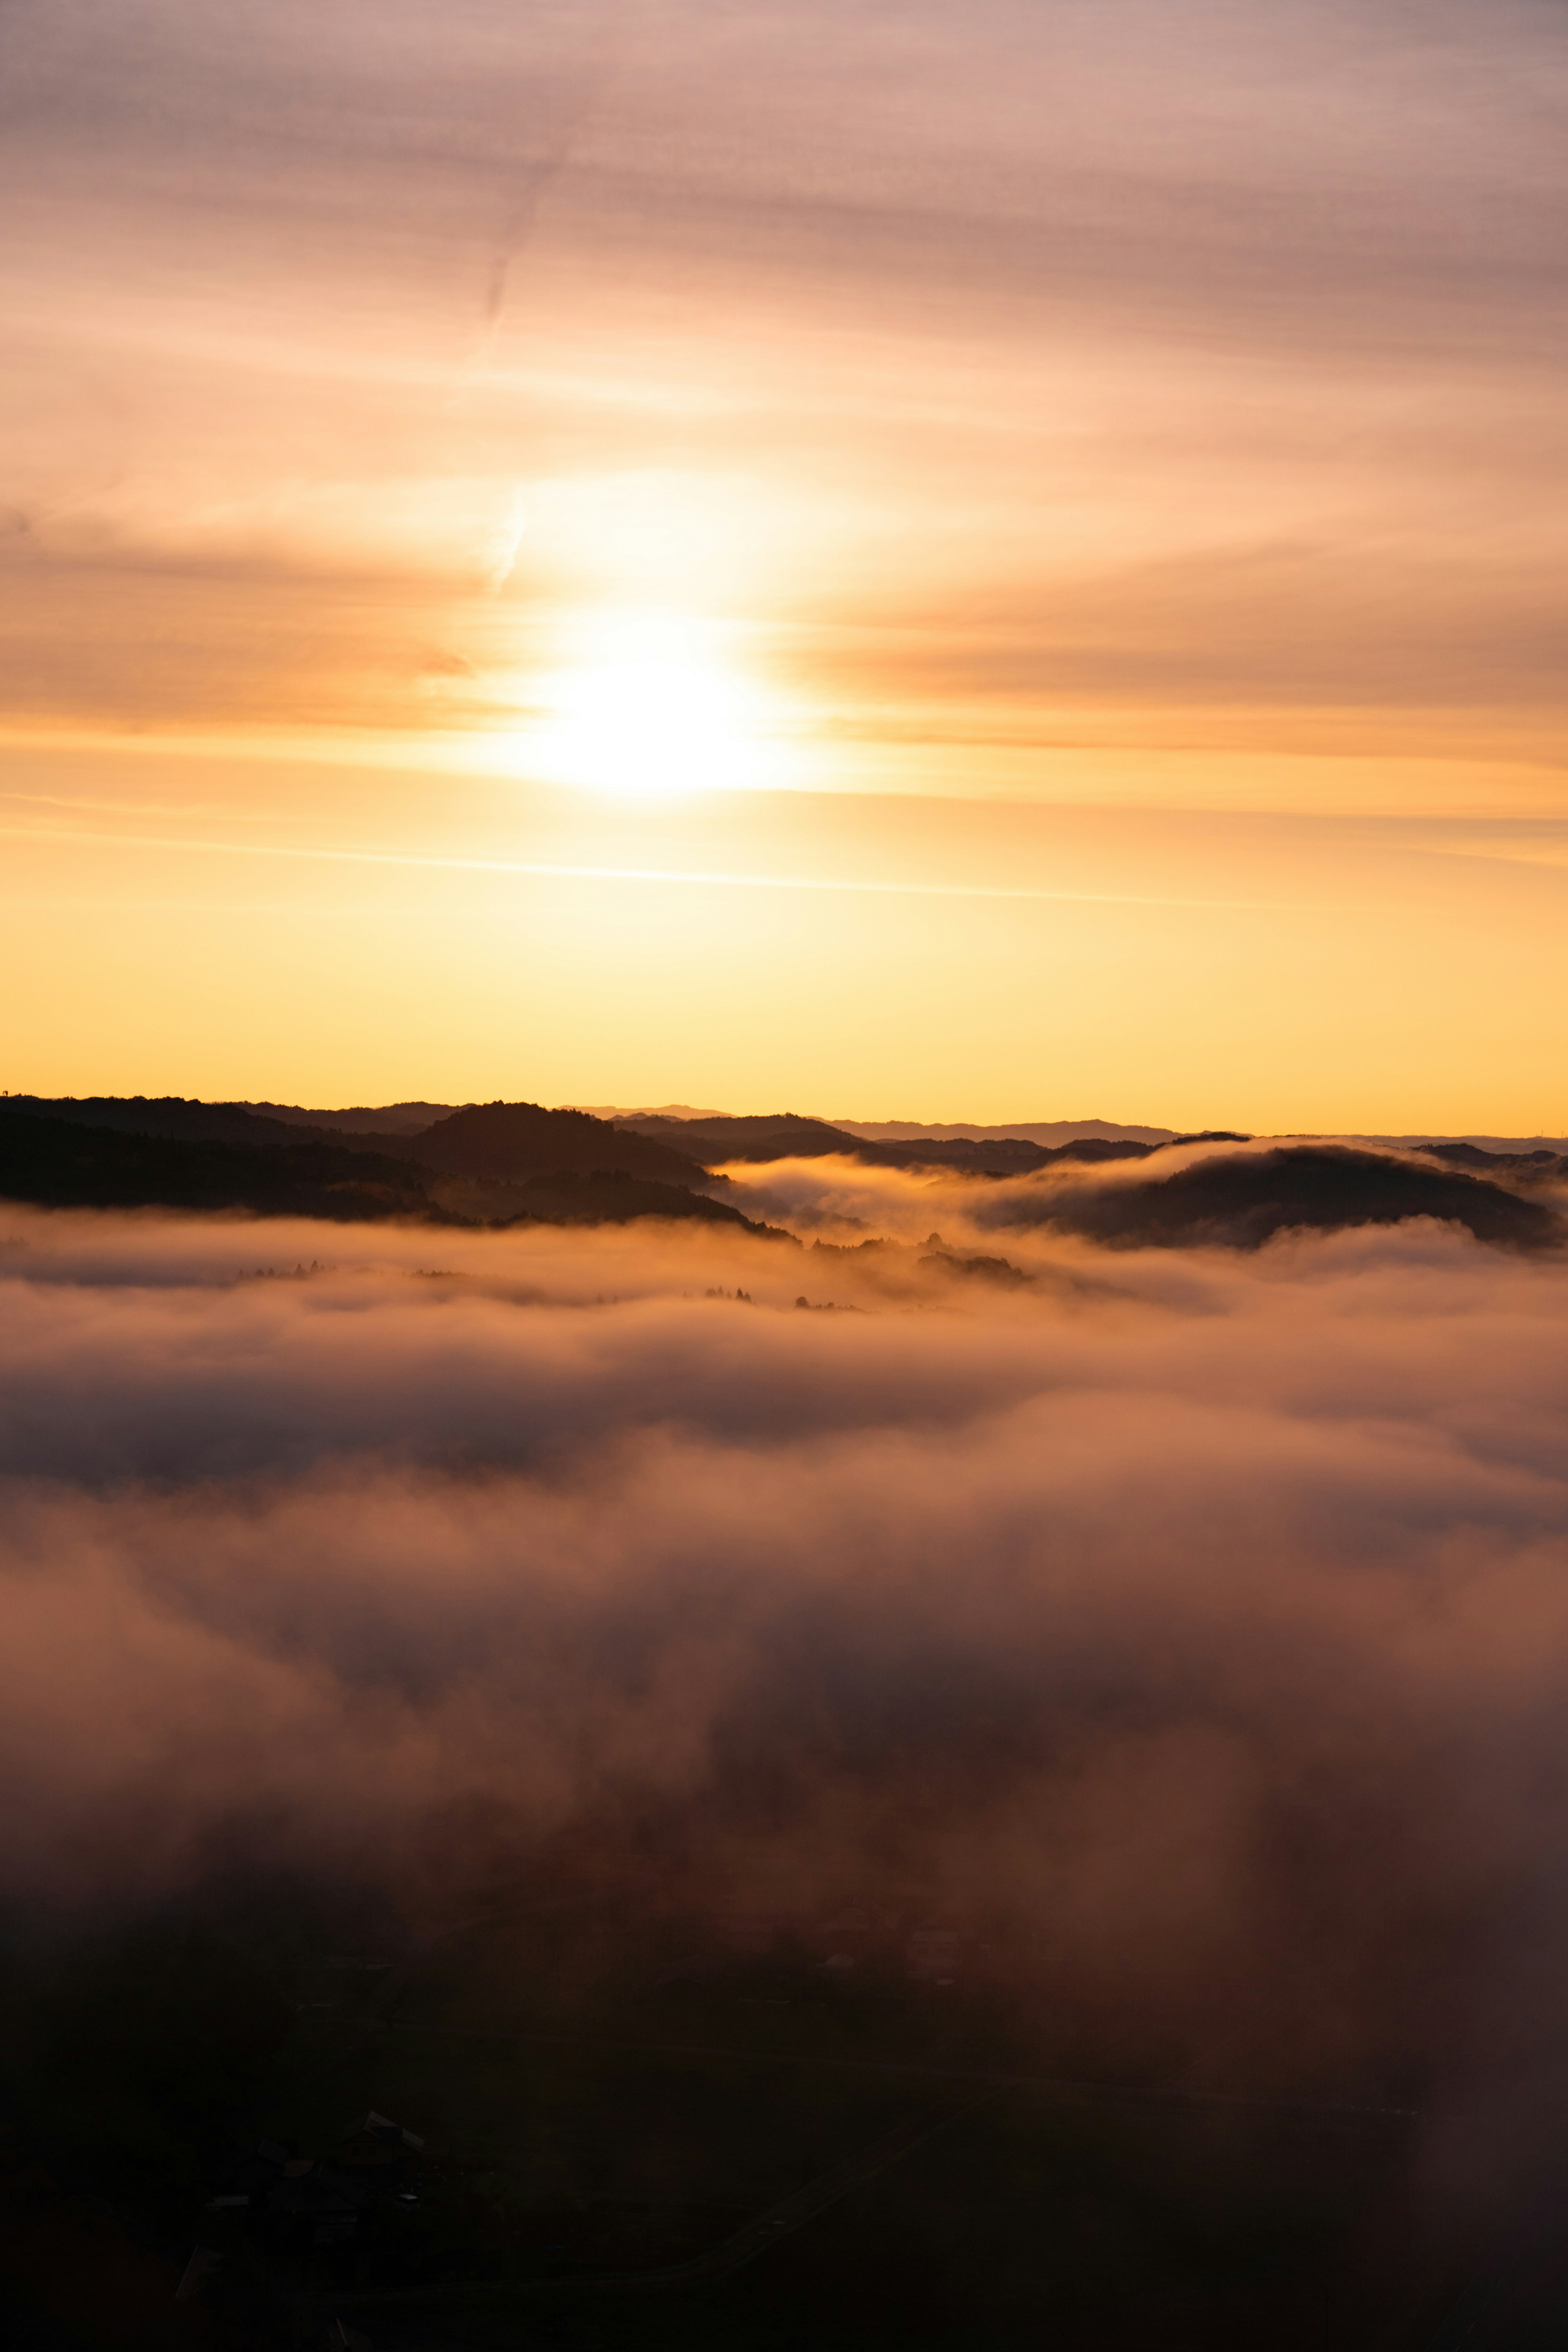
[
  {"x": 1190, "y": 1629},
  {"x": 323, "y": 322}
]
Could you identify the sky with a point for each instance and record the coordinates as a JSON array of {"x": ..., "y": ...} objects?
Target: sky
[{"x": 885, "y": 561}]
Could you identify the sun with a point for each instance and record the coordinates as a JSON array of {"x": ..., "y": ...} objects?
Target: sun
[{"x": 647, "y": 705}]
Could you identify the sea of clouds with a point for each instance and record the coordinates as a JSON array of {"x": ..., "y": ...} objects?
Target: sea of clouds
[{"x": 1189, "y": 1628}]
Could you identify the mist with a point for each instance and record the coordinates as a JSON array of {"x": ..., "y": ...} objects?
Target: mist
[{"x": 1191, "y": 1627}]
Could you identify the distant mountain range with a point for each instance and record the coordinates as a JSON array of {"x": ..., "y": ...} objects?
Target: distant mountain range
[
  {"x": 496, "y": 1163},
  {"x": 489, "y": 1163},
  {"x": 505, "y": 1142},
  {"x": 787, "y": 1135},
  {"x": 413, "y": 1117},
  {"x": 499, "y": 1163},
  {"x": 67, "y": 1163},
  {"x": 1049, "y": 1132},
  {"x": 509, "y": 1143},
  {"x": 392, "y": 1118}
]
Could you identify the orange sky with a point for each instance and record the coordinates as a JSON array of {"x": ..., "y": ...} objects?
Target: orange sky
[{"x": 1047, "y": 512}]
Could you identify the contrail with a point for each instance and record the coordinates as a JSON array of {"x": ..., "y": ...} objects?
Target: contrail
[{"x": 517, "y": 225}]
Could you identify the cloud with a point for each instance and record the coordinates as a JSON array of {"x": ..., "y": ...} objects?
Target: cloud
[
  {"x": 1196, "y": 1639},
  {"x": 1222, "y": 1196},
  {"x": 262, "y": 398}
]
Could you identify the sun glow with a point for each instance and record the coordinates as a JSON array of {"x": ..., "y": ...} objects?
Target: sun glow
[{"x": 650, "y": 704}]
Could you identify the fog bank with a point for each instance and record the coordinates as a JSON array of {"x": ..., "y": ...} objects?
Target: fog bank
[{"x": 1190, "y": 1630}]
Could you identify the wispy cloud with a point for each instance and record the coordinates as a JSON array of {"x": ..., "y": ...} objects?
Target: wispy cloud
[{"x": 1186, "y": 356}]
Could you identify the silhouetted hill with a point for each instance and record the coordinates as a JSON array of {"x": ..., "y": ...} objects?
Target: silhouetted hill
[
  {"x": 516, "y": 1141},
  {"x": 1051, "y": 1132},
  {"x": 1526, "y": 1164},
  {"x": 507, "y": 1141},
  {"x": 388, "y": 1119},
  {"x": 182, "y": 1119},
  {"x": 1495, "y": 1147},
  {"x": 787, "y": 1135},
  {"x": 1001, "y": 1155},
  {"x": 611, "y": 1196},
  {"x": 62, "y": 1163},
  {"x": 773, "y": 1135},
  {"x": 1089, "y": 1150},
  {"x": 1240, "y": 1200}
]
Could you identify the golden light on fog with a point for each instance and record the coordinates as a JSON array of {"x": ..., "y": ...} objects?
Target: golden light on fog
[{"x": 648, "y": 703}]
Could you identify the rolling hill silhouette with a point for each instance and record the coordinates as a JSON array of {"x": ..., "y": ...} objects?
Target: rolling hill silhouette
[
  {"x": 73, "y": 1163},
  {"x": 1240, "y": 1200},
  {"x": 66, "y": 1163},
  {"x": 514, "y": 1141},
  {"x": 781, "y": 1134}
]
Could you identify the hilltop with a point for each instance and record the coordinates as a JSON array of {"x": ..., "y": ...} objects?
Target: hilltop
[
  {"x": 512, "y": 1142},
  {"x": 781, "y": 1134},
  {"x": 67, "y": 1164},
  {"x": 495, "y": 1163}
]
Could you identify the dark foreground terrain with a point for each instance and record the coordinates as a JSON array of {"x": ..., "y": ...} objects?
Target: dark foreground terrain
[
  {"x": 741, "y": 2133},
  {"x": 63, "y": 1163}
]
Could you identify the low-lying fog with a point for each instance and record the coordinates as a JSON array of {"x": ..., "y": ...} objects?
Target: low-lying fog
[{"x": 1192, "y": 1625}]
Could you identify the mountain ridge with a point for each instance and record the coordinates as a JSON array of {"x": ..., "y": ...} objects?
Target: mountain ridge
[{"x": 216, "y": 1157}]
